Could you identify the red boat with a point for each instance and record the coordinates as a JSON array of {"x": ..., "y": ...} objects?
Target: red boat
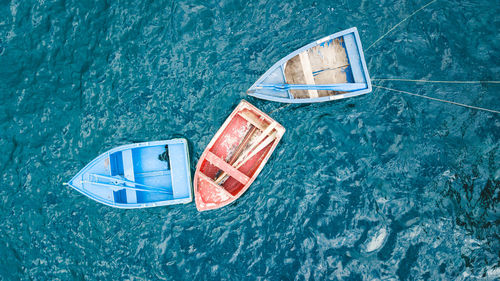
[{"x": 235, "y": 156}]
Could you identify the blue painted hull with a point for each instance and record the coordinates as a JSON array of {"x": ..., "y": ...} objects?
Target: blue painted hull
[
  {"x": 275, "y": 84},
  {"x": 138, "y": 175}
]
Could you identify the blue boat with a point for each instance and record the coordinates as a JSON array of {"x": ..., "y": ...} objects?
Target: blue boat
[
  {"x": 331, "y": 68},
  {"x": 138, "y": 175}
]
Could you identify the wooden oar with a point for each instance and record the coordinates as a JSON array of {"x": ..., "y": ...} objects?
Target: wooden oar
[
  {"x": 255, "y": 148},
  {"x": 120, "y": 180},
  {"x": 341, "y": 87},
  {"x": 242, "y": 145},
  {"x": 261, "y": 146},
  {"x": 240, "y": 148},
  {"x": 261, "y": 137},
  {"x": 118, "y": 187}
]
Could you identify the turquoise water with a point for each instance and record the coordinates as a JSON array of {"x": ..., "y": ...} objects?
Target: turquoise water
[{"x": 376, "y": 187}]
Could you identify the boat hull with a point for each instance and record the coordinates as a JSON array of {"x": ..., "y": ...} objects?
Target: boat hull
[
  {"x": 317, "y": 72},
  {"x": 139, "y": 175},
  {"x": 235, "y": 156}
]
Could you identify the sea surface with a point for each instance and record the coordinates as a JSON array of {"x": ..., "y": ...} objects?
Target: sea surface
[{"x": 385, "y": 186}]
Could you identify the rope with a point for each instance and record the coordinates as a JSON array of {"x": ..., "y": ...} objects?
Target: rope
[
  {"x": 394, "y": 27},
  {"x": 441, "y": 100},
  {"x": 431, "y": 81},
  {"x": 279, "y": 108}
]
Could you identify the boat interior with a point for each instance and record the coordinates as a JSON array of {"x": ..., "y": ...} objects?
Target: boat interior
[
  {"x": 238, "y": 152},
  {"x": 326, "y": 63},
  {"x": 140, "y": 175}
]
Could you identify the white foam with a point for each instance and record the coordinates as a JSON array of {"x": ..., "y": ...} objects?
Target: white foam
[{"x": 377, "y": 240}]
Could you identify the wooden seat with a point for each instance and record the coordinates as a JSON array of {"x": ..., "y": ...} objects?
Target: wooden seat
[
  {"x": 308, "y": 74},
  {"x": 128, "y": 171},
  {"x": 179, "y": 171},
  {"x": 253, "y": 119},
  {"x": 266, "y": 129},
  {"x": 226, "y": 168}
]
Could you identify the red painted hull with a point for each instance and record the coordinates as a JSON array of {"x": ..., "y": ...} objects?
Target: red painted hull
[{"x": 235, "y": 156}]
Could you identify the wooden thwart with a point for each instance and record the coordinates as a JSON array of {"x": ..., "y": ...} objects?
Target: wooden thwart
[
  {"x": 253, "y": 119},
  {"x": 228, "y": 169},
  {"x": 128, "y": 170},
  {"x": 308, "y": 74}
]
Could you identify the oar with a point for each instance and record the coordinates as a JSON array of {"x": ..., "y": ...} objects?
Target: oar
[
  {"x": 121, "y": 180},
  {"x": 255, "y": 148},
  {"x": 239, "y": 149},
  {"x": 119, "y": 187},
  {"x": 219, "y": 177},
  {"x": 341, "y": 87},
  {"x": 242, "y": 145},
  {"x": 260, "y": 138},
  {"x": 261, "y": 146}
]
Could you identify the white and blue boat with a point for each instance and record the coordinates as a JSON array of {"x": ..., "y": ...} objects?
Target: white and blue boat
[
  {"x": 331, "y": 68},
  {"x": 138, "y": 175}
]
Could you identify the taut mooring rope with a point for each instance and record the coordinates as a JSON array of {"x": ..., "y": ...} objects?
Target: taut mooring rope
[
  {"x": 435, "y": 81},
  {"x": 279, "y": 108},
  {"x": 394, "y": 27},
  {"x": 441, "y": 100}
]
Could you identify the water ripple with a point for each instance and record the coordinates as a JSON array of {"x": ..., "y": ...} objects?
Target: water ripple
[{"x": 377, "y": 187}]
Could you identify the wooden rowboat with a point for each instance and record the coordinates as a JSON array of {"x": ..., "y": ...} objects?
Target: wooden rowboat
[
  {"x": 235, "y": 156},
  {"x": 328, "y": 69},
  {"x": 138, "y": 175}
]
